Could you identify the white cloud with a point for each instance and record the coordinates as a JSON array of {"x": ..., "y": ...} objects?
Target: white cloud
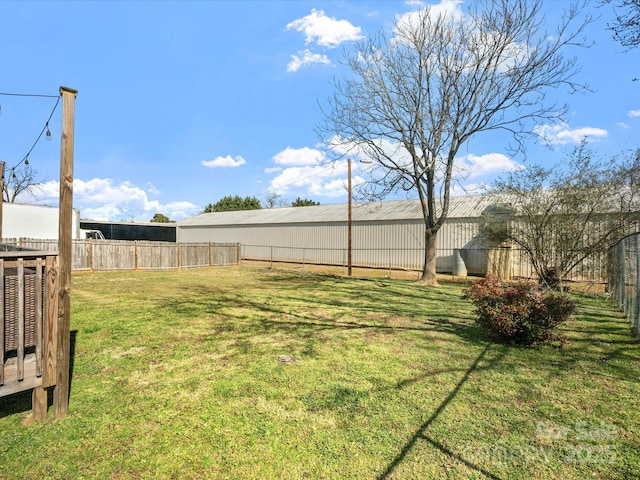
[
  {"x": 365, "y": 153},
  {"x": 102, "y": 214},
  {"x": 333, "y": 188},
  {"x": 479, "y": 165},
  {"x": 458, "y": 190},
  {"x": 227, "y": 161},
  {"x": 622, "y": 125},
  {"x": 106, "y": 199},
  {"x": 325, "y": 31},
  {"x": 151, "y": 188},
  {"x": 633, "y": 113},
  {"x": 318, "y": 180},
  {"x": 476, "y": 38},
  {"x": 306, "y": 58},
  {"x": 310, "y": 178},
  {"x": 298, "y": 156},
  {"x": 272, "y": 169},
  {"x": 309, "y": 171},
  {"x": 446, "y": 8},
  {"x": 179, "y": 210},
  {"x": 561, "y": 134}
]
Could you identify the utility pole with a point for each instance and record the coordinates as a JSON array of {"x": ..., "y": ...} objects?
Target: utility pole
[
  {"x": 61, "y": 392},
  {"x": 349, "y": 221}
]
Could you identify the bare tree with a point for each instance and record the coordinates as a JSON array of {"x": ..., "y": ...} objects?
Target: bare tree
[
  {"x": 564, "y": 214},
  {"x": 416, "y": 96},
  {"x": 19, "y": 180},
  {"x": 626, "y": 28},
  {"x": 274, "y": 200}
]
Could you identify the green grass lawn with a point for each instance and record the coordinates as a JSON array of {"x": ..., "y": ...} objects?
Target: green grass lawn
[{"x": 178, "y": 375}]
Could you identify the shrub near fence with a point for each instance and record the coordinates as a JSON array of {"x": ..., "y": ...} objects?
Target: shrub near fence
[
  {"x": 625, "y": 278},
  {"x": 139, "y": 255}
]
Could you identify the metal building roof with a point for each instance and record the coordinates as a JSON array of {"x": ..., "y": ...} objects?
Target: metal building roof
[{"x": 460, "y": 207}]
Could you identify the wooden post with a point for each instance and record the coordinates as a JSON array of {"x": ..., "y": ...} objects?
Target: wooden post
[
  {"x": 61, "y": 392},
  {"x": 2, "y": 315},
  {"x": 1, "y": 195},
  {"x": 349, "y": 264},
  {"x": 51, "y": 321},
  {"x": 38, "y": 404},
  {"x": 90, "y": 254}
]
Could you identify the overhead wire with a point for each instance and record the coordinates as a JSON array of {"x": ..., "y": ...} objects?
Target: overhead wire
[
  {"x": 45, "y": 128},
  {"x": 27, "y": 95}
]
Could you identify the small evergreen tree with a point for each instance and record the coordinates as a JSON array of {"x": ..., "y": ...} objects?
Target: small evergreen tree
[
  {"x": 160, "y": 218},
  {"x": 304, "y": 202},
  {"x": 233, "y": 203}
]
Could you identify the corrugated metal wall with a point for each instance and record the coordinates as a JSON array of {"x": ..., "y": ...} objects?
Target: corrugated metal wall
[{"x": 385, "y": 244}]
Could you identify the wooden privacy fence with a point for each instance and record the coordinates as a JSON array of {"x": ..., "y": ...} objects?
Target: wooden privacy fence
[
  {"x": 29, "y": 324},
  {"x": 139, "y": 255}
]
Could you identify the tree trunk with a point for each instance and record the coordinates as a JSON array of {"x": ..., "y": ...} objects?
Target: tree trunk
[{"x": 429, "y": 268}]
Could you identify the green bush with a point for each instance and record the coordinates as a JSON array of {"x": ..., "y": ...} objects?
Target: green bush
[{"x": 518, "y": 313}]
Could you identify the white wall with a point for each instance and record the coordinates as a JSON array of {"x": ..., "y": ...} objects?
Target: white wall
[{"x": 34, "y": 221}]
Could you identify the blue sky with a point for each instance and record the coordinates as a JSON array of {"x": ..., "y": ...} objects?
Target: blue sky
[{"x": 182, "y": 103}]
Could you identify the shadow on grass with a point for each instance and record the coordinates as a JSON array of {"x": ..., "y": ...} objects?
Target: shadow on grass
[
  {"x": 20, "y": 402},
  {"x": 310, "y": 307},
  {"x": 300, "y": 306},
  {"x": 305, "y": 304},
  {"x": 421, "y": 432}
]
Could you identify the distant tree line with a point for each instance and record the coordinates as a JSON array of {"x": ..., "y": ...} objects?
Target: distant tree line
[
  {"x": 161, "y": 218},
  {"x": 233, "y": 203}
]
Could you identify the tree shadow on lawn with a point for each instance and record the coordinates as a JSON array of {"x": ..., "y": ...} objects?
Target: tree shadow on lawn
[
  {"x": 344, "y": 305},
  {"x": 618, "y": 358},
  {"x": 355, "y": 297},
  {"x": 278, "y": 317},
  {"x": 308, "y": 304},
  {"x": 600, "y": 335},
  {"x": 421, "y": 432},
  {"x": 367, "y": 312},
  {"x": 301, "y": 312}
]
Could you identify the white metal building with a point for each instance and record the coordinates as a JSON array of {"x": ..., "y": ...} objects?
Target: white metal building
[
  {"x": 34, "y": 221},
  {"x": 384, "y": 234}
]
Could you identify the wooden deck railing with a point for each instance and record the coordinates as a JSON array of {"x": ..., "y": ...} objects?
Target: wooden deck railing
[{"x": 28, "y": 320}]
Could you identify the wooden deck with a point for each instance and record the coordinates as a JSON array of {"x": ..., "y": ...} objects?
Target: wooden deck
[
  {"x": 18, "y": 379},
  {"x": 28, "y": 320}
]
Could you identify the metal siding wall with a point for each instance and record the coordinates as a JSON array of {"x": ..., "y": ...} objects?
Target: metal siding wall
[
  {"x": 382, "y": 244},
  {"x": 388, "y": 243}
]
